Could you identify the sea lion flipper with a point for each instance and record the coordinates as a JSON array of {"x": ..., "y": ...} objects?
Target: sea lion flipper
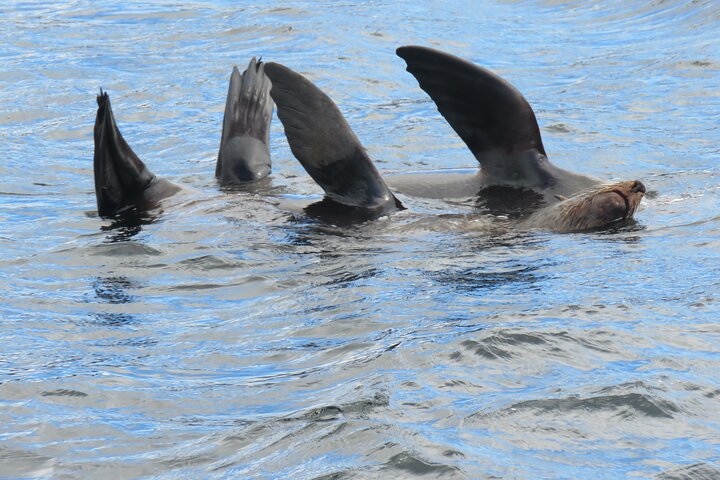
[
  {"x": 120, "y": 176},
  {"x": 244, "y": 155},
  {"x": 322, "y": 140},
  {"x": 491, "y": 116}
]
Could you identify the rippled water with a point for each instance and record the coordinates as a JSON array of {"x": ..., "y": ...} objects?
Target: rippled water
[{"x": 232, "y": 337}]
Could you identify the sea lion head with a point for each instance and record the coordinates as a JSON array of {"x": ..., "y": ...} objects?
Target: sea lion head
[{"x": 591, "y": 209}]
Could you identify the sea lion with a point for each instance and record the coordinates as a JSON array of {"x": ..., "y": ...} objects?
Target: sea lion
[
  {"x": 122, "y": 181},
  {"x": 244, "y": 155},
  {"x": 499, "y": 127},
  {"x": 322, "y": 140},
  {"x": 506, "y": 140}
]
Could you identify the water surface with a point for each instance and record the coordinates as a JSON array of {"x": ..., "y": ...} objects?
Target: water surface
[{"x": 230, "y": 337}]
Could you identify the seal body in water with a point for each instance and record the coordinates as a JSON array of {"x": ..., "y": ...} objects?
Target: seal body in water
[
  {"x": 123, "y": 182},
  {"x": 490, "y": 115}
]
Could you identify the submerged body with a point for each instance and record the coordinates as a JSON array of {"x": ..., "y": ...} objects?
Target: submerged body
[{"x": 459, "y": 183}]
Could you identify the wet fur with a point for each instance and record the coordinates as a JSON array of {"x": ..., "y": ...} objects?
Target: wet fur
[{"x": 578, "y": 213}]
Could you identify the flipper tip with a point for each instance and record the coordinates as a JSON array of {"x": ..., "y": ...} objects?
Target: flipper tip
[{"x": 103, "y": 98}]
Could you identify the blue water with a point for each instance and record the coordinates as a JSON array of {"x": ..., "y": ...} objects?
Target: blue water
[{"x": 231, "y": 337}]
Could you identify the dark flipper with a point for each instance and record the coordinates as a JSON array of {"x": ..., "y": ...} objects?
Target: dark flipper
[
  {"x": 323, "y": 142},
  {"x": 494, "y": 120},
  {"x": 121, "y": 179},
  {"x": 244, "y": 154},
  {"x": 490, "y": 115}
]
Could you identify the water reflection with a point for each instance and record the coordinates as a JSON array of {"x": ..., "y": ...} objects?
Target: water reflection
[
  {"x": 127, "y": 224},
  {"x": 476, "y": 281},
  {"x": 113, "y": 291},
  {"x": 696, "y": 471},
  {"x": 345, "y": 254},
  {"x": 348, "y": 276}
]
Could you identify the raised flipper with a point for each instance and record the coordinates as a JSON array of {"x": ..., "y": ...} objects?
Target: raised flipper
[
  {"x": 491, "y": 116},
  {"x": 121, "y": 179},
  {"x": 244, "y": 154},
  {"x": 494, "y": 120},
  {"x": 323, "y": 142}
]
